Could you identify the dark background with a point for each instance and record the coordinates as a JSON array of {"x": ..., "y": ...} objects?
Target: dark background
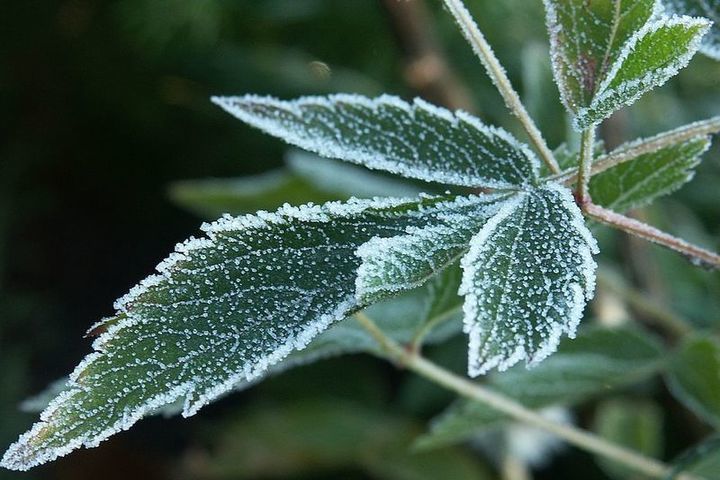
[{"x": 103, "y": 104}]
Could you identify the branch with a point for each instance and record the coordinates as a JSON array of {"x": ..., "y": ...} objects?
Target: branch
[
  {"x": 632, "y": 150},
  {"x": 587, "y": 145},
  {"x": 474, "y": 391},
  {"x": 426, "y": 69},
  {"x": 697, "y": 255},
  {"x": 499, "y": 77}
]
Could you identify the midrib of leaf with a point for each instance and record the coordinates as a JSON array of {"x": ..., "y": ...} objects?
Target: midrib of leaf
[
  {"x": 512, "y": 261},
  {"x": 608, "y": 50}
]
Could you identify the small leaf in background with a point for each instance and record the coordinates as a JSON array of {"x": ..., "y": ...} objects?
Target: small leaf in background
[
  {"x": 694, "y": 377},
  {"x": 635, "y": 424},
  {"x": 527, "y": 277},
  {"x": 325, "y": 436},
  {"x": 599, "y": 360},
  {"x": 307, "y": 178},
  {"x": 417, "y": 140},
  {"x": 702, "y": 459},
  {"x": 702, "y": 8},
  {"x": 220, "y": 311},
  {"x": 606, "y": 54},
  {"x": 638, "y": 182}
]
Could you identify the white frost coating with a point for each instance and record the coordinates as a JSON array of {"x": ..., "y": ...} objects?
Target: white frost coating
[
  {"x": 220, "y": 311},
  {"x": 392, "y": 264},
  {"x": 417, "y": 140},
  {"x": 609, "y": 96},
  {"x": 702, "y": 8},
  {"x": 526, "y": 279}
]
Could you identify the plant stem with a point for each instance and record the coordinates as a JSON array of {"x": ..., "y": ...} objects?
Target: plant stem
[
  {"x": 696, "y": 254},
  {"x": 580, "y": 438},
  {"x": 513, "y": 468},
  {"x": 632, "y": 150},
  {"x": 499, "y": 77},
  {"x": 587, "y": 145}
]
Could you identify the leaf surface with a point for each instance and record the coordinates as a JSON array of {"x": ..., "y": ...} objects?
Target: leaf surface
[
  {"x": 608, "y": 53},
  {"x": 640, "y": 181},
  {"x": 415, "y": 140},
  {"x": 709, "y": 9},
  {"x": 220, "y": 311},
  {"x": 597, "y": 361},
  {"x": 527, "y": 277},
  {"x": 694, "y": 377}
]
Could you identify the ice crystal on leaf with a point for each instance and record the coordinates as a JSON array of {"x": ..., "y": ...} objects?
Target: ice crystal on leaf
[
  {"x": 606, "y": 54},
  {"x": 220, "y": 311},
  {"x": 527, "y": 278},
  {"x": 702, "y": 8},
  {"x": 417, "y": 140}
]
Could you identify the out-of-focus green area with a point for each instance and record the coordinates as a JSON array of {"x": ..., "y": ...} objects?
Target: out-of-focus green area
[{"x": 104, "y": 106}]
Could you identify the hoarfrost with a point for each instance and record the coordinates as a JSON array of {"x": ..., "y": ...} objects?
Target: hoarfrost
[
  {"x": 526, "y": 279},
  {"x": 416, "y": 140},
  {"x": 219, "y": 312},
  {"x": 702, "y": 8}
]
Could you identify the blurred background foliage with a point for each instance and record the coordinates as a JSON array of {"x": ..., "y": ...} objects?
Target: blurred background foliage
[{"x": 106, "y": 121}]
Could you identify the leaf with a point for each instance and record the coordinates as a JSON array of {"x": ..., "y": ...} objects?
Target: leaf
[
  {"x": 702, "y": 8},
  {"x": 415, "y": 140},
  {"x": 403, "y": 262},
  {"x": 634, "y": 424},
  {"x": 608, "y": 53},
  {"x": 221, "y": 310},
  {"x": 650, "y": 58},
  {"x": 640, "y": 181},
  {"x": 694, "y": 377},
  {"x": 312, "y": 437},
  {"x": 599, "y": 360},
  {"x": 527, "y": 278},
  {"x": 702, "y": 459}
]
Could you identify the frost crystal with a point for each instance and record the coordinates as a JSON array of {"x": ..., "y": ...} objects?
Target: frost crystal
[
  {"x": 220, "y": 311},
  {"x": 702, "y": 8},
  {"x": 415, "y": 140},
  {"x": 527, "y": 278},
  {"x": 606, "y": 54}
]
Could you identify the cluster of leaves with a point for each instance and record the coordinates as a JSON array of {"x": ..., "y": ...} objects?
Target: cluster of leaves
[{"x": 261, "y": 293}]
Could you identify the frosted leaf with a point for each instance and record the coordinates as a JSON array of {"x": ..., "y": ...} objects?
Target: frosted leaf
[
  {"x": 607, "y": 53},
  {"x": 391, "y": 264},
  {"x": 219, "y": 312},
  {"x": 702, "y": 8},
  {"x": 527, "y": 277},
  {"x": 640, "y": 181},
  {"x": 416, "y": 140}
]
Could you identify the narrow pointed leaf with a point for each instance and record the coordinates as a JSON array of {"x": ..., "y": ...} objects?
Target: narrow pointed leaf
[
  {"x": 694, "y": 377},
  {"x": 649, "y": 59},
  {"x": 415, "y": 140},
  {"x": 527, "y": 277},
  {"x": 220, "y": 311},
  {"x": 586, "y": 38},
  {"x": 709, "y": 9},
  {"x": 640, "y": 181},
  {"x": 597, "y": 361}
]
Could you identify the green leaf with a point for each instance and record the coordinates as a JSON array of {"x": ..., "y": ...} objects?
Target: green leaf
[
  {"x": 415, "y": 140},
  {"x": 319, "y": 436},
  {"x": 221, "y": 310},
  {"x": 634, "y": 424},
  {"x": 694, "y": 377},
  {"x": 307, "y": 178},
  {"x": 702, "y": 8},
  {"x": 640, "y": 181},
  {"x": 702, "y": 459},
  {"x": 608, "y": 53},
  {"x": 527, "y": 278},
  {"x": 597, "y": 361}
]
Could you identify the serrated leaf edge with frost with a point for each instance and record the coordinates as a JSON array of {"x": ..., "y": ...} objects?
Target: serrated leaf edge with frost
[
  {"x": 584, "y": 117},
  {"x": 379, "y": 161}
]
